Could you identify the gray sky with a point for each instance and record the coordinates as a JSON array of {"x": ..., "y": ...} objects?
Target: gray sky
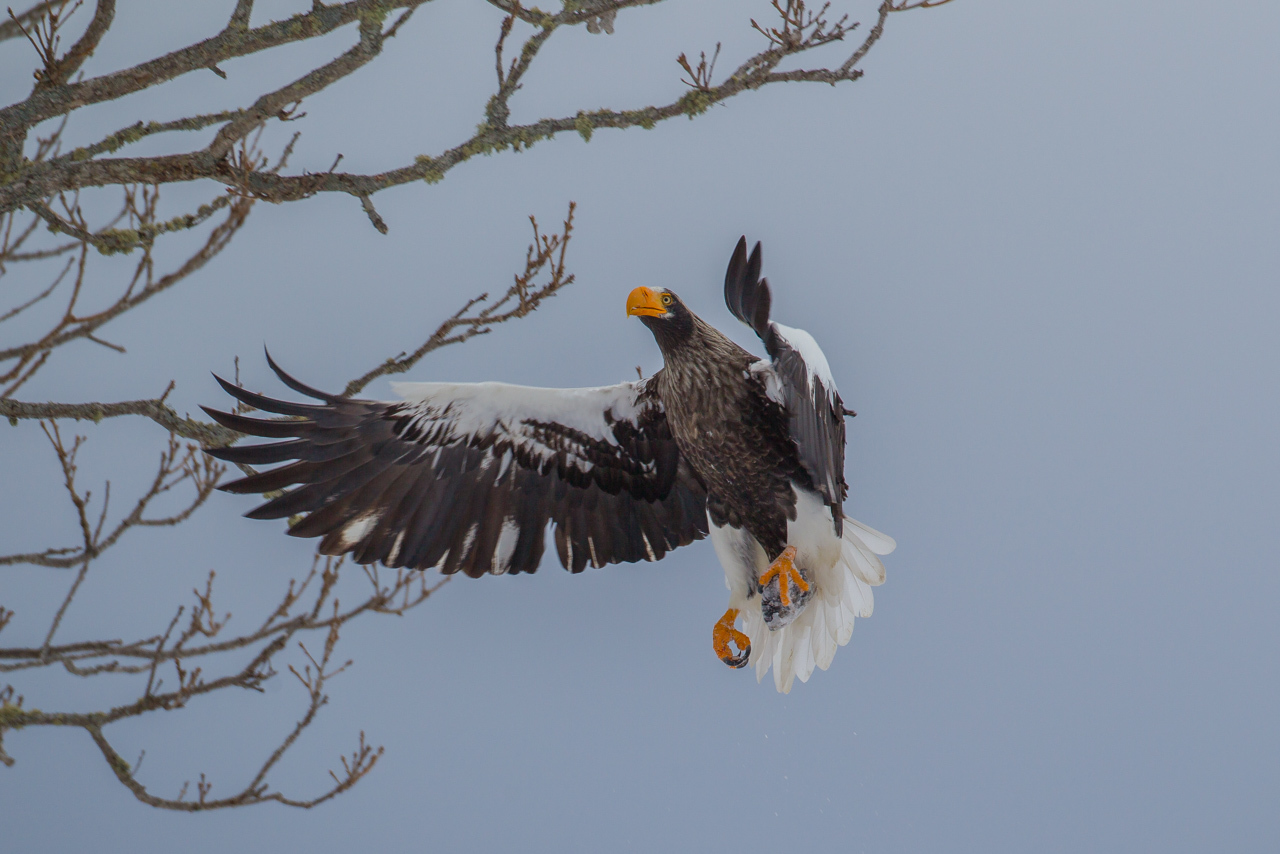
[{"x": 1038, "y": 243}]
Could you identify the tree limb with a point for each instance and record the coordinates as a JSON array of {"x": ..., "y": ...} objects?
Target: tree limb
[{"x": 801, "y": 31}]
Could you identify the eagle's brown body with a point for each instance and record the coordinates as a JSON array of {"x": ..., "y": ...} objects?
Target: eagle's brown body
[{"x": 732, "y": 434}]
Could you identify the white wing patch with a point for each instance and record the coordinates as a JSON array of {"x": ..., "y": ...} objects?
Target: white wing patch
[
  {"x": 355, "y": 530},
  {"x": 506, "y": 546},
  {"x": 505, "y": 464},
  {"x": 501, "y": 409},
  {"x": 470, "y": 538},
  {"x": 394, "y": 554}
]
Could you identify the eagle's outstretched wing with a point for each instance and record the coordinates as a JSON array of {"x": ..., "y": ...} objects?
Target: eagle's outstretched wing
[
  {"x": 465, "y": 476},
  {"x": 804, "y": 379}
]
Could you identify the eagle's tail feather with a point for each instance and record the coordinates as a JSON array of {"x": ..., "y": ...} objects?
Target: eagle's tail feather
[
  {"x": 878, "y": 543},
  {"x": 826, "y": 623}
]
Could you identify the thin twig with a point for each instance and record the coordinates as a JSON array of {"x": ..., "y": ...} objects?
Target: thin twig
[{"x": 519, "y": 301}]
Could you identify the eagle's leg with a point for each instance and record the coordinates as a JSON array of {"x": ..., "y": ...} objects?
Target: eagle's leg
[
  {"x": 723, "y": 633},
  {"x": 780, "y": 606}
]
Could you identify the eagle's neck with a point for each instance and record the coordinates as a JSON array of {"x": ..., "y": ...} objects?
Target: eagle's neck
[{"x": 700, "y": 346}]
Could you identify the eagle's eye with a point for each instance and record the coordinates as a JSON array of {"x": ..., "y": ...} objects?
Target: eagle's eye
[{"x": 668, "y": 299}]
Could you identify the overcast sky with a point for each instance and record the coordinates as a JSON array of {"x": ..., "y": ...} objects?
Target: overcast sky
[{"x": 1039, "y": 244}]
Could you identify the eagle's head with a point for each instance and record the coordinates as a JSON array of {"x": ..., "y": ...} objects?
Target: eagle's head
[{"x": 662, "y": 311}]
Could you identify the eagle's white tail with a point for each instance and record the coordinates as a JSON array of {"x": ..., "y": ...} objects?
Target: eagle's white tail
[{"x": 843, "y": 593}]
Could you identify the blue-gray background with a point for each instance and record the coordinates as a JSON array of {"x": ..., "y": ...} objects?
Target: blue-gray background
[{"x": 1039, "y": 245}]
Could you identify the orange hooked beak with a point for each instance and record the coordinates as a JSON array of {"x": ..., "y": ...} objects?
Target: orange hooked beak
[{"x": 643, "y": 301}]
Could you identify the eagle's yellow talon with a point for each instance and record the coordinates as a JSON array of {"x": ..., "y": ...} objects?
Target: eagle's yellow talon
[
  {"x": 784, "y": 569},
  {"x": 723, "y": 633}
]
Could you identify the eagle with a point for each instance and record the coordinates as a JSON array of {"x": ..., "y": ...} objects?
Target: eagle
[{"x": 466, "y": 477}]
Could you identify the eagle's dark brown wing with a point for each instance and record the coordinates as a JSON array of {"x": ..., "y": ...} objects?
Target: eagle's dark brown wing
[
  {"x": 465, "y": 476},
  {"x": 804, "y": 381}
]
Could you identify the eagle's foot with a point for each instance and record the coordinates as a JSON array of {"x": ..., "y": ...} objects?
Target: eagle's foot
[
  {"x": 723, "y": 633},
  {"x": 782, "y": 602}
]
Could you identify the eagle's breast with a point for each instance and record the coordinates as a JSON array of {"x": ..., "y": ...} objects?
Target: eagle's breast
[{"x": 735, "y": 438}]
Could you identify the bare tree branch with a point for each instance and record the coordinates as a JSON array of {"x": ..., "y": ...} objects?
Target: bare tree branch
[
  {"x": 308, "y": 605},
  {"x": 480, "y": 315},
  {"x": 207, "y": 434},
  {"x": 200, "y": 651},
  {"x": 177, "y": 465},
  {"x": 61, "y": 69},
  {"x": 406, "y": 591},
  {"x": 17, "y": 23},
  {"x": 545, "y": 254}
]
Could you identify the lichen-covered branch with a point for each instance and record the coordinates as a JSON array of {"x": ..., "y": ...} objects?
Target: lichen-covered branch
[
  {"x": 206, "y": 433},
  {"x": 796, "y": 31},
  {"x": 44, "y": 188},
  {"x": 60, "y": 96}
]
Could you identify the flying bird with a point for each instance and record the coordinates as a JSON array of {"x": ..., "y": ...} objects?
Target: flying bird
[{"x": 464, "y": 477}]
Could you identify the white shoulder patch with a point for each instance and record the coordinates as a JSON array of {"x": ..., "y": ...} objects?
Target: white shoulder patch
[
  {"x": 814, "y": 359},
  {"x": 484, "y": 408}
]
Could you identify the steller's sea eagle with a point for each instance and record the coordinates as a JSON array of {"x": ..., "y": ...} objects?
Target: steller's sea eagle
[{"x": 464, "y": 477}]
